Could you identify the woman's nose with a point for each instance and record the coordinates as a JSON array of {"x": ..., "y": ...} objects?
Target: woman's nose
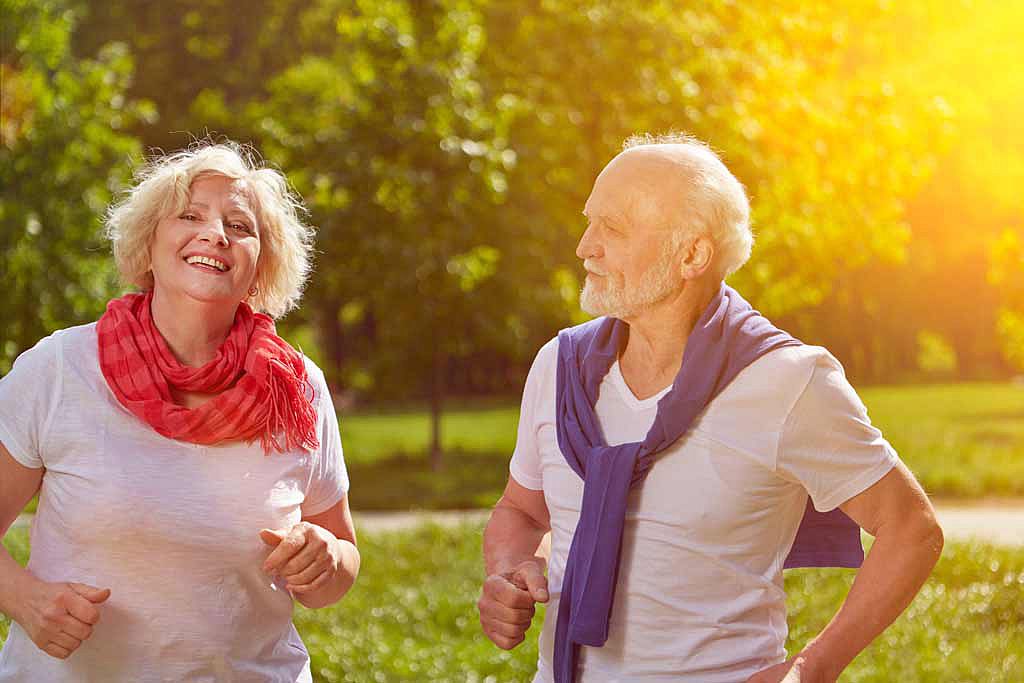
[{"x": 213, "y": 232}]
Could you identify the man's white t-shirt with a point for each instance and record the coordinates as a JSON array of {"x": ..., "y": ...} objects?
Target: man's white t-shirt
[
  {"x": 700, "y": 594},
  {"x": 171, "y": 528}
]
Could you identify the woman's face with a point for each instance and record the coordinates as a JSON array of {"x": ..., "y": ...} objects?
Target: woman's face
[{"x": 209, "y": 251}]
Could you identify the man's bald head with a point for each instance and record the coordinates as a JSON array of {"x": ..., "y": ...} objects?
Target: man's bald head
[{"x": 688, "y": 182}]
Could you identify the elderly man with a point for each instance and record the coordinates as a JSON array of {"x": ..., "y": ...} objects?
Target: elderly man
[{"x": 682, "y": 451}]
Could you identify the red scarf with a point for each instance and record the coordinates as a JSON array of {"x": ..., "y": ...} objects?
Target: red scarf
[{"x": 259, "y": 380}]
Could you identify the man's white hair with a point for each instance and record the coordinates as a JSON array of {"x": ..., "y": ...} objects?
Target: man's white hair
[
  {"x": 162, "y": 189},
  {"x": 716, "y": 203}
]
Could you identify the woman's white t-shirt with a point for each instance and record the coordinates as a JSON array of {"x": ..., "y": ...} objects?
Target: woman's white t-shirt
[
  {"x": 171, "y": 528},
  {"x": 699, "y": 595}
]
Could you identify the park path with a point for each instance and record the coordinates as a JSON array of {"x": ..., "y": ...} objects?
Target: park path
[{"x": 999, "y": 522}]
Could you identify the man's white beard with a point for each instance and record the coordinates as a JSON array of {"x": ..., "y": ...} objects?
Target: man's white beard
[{"x": 657, "y": 283}]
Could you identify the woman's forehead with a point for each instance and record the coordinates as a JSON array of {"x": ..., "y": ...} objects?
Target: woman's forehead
[{"x": 215, "y": 187}]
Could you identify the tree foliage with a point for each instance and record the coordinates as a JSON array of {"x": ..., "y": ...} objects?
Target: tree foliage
[
  {"x": 446, "y": 147},
  {"x": 62, "y": 154}
]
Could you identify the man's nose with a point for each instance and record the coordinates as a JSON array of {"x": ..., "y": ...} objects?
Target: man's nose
[{"x": 589, "y": 246}]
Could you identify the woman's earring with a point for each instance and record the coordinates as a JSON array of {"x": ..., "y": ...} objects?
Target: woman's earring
[{"x": 253, "y": 291}]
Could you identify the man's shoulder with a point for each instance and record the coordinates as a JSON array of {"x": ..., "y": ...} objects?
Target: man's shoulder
[
  {"x": 546, "y": 360},
  {"x": 547, "y": 356},
  {"x": 775, "y": 380},
  {"x": 793, "y": 363},
  {"x": 583, "y": 330}
]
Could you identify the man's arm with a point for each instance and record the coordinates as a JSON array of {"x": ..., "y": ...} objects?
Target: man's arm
[
  {"x": 908, "y": 543},
  {"x": 515, "y": 557}
]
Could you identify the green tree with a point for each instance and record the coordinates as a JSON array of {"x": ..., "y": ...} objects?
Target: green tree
[
  {"x": 803, "y": 101},
  {"x": 403, "y": 161},
  {"x": 63, "y": 154},
  {"x": 1006, "y": 274}
]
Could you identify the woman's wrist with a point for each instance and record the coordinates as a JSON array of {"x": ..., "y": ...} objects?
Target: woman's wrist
[
  {"x": 16, "y": 584},
  {"x": 347, "y": 558}
]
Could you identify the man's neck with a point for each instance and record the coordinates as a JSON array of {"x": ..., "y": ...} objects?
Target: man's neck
[
  {"x": 193, "y": 330},
  {"x": 658, "y": 336}
]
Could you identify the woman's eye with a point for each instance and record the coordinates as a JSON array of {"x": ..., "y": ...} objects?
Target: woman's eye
[
  {"x": 242, "y": 227},
  {"x": 189, "y": 217}
]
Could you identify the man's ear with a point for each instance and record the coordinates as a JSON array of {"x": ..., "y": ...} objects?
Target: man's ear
[{"x": 698, "y": 256}]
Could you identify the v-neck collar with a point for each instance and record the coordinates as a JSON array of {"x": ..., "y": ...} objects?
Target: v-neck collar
[{"x": 635, "y": 404}]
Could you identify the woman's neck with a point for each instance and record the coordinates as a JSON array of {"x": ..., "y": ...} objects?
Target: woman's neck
[{"x": 193, "y": 330}]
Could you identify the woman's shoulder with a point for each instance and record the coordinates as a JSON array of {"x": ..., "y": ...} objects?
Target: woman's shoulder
[
  {"x": 316, "y": 378},
  {"x": 78, "y": 346},
  {"x": 78, "y": 336},
  {"x": 61, "y": 346}
]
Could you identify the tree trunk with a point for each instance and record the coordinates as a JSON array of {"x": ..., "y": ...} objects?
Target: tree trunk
[
  {"x": 436, "y": 400},
  {"x": 333, "y": 341}
]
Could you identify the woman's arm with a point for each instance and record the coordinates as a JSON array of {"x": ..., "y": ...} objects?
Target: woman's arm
[
  {"x": 17, "y": 486},
  {"x": 56, "y": 616},
  {"x": 317, "y": 557}
]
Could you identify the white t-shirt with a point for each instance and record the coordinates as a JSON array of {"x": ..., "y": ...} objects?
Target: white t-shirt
[
  {"x": 700, "y": 594},
  {"x": 172, "y": 528}
]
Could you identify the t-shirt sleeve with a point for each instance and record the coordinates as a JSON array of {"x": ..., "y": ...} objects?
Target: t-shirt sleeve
[
  {"x": 328, "y": 481},
  {"x": 29, "y": 395},
  {"x": 828, "y": 444},
  {"x": 525, "y": 466}
]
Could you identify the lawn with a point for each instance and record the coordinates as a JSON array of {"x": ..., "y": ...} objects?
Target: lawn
[
  {"x": 962, "y": 441},
  {"x": 411, "y": 617}
]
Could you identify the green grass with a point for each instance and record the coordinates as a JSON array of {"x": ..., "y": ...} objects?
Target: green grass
[
  {"x": 412, "y": 617},
  {"x": 369, "y": 438},
  {"x": 386, "y": 455},
  {"x": 961, "y": 440}
]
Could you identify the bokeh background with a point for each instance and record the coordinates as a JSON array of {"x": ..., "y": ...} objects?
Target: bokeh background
[{"x": 445, "y": 148}]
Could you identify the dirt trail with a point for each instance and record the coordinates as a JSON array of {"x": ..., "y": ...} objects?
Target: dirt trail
[{"x": 999, "y": 522}]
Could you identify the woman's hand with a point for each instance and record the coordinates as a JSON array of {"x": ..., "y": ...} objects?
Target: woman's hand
[
  {"x": 58, "y": 617},
  {"x": 307, "y": 556},
  {"x": 796, "y": 669}
]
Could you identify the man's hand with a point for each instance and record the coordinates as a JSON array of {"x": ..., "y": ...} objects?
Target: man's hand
[
  {"x": 507, "y": 602},
  {"x": 58, "y": 617},
  {"x": 306, "y": 556}
]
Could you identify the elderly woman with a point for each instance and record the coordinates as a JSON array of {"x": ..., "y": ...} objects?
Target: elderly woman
[{"x": 187, "y": 459}]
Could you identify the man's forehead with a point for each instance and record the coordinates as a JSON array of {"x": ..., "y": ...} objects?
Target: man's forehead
[{"x": 635, "y": 182}]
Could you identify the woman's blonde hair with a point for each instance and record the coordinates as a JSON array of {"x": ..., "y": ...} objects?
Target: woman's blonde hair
[{"x": 162, "y": 189}]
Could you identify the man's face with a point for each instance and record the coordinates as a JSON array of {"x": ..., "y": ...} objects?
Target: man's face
[{"x": 629, "y": 250}]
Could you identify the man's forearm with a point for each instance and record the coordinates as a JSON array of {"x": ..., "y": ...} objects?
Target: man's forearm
[
  {"x": 512, "y": 537},
  {"x": 898, "y": 564}
]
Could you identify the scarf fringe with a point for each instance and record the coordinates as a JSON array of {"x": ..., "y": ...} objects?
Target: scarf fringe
[{"x": 291, "y": 411}]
